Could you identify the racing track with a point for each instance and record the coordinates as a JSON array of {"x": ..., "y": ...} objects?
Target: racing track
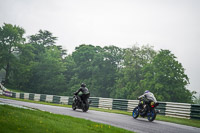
[{"x": 140, "y": 125}]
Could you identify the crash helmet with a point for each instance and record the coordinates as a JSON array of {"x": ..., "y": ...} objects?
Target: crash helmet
[
  {"x": 147, "y": 91},
  {"x": 83, "y": 85}
]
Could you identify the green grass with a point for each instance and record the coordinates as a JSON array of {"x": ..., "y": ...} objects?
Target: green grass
[
  {"x": 16, "y": 120},
  {"x": 188, "y": 122},
  {"x": 13, "y": 90}
]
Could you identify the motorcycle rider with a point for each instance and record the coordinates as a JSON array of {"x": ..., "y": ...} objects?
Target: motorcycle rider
[
  {"x": 85, "y": 93},
  {"x": 145, "y": 99}
]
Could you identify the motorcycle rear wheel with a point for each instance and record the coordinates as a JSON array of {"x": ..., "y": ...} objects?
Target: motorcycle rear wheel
[
  {"x": 85, "y": 107},
  {"x": 151, "y": 115},
  {"x": 73, "y": 106}
]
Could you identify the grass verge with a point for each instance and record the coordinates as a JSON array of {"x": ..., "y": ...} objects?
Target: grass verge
[
  {"x": 16, "y": 120},
  {"x": 188, "y": 122}
]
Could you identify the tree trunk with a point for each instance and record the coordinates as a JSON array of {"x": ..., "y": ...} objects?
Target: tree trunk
[{"x": 7, "y": 73}]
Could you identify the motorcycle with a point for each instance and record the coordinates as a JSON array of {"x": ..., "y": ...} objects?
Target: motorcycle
[
  {"x": 146, "y": 110},
  {"x": 79, "y": 104}
]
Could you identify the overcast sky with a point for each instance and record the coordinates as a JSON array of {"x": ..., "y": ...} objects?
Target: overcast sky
[{"x": 164, "y": 24}]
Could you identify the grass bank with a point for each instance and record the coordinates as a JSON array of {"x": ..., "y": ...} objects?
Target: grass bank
[
  {"x": 188, "y": 122},
  {"x": 14, "y": 120}
]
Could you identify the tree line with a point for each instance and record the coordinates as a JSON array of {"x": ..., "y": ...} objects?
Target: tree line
[{"x": 36, "y": 64}]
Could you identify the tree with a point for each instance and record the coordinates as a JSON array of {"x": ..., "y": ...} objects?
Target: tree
[
  {"x": 112, "y": 63},
  {"x": 48, "y": 66},
  {"x": 72, "y": 81},
  {"x": 22, "y": 72},
  {"x": 87, "y": 58},
  {"x": 135, "y": 58},
  {"x": 40, "y": 67},
  {"x": 47, "y": 75},
  {"x": 166, "y": 78},
  {"x": 94, "y": 66},
  {"x": 10, "y": 38},
  {"x": 43, "y": 38},
  {"x": 197, "y": 100}
]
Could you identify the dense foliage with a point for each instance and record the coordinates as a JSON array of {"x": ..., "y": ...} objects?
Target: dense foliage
[{"x": 36, "y": 64}]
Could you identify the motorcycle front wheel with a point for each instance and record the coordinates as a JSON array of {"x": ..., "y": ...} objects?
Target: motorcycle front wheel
[
  {"x": 135, "y": 113},
  {"x": 151, "y": 115}
]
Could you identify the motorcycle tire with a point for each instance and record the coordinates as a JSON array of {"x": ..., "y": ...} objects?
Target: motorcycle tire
[
  {"x": 151, "y": 115},
  {"x": 135, "y": 113},
  {"x": 85, "y": 107},
  {"x": 73, "y": 106}
]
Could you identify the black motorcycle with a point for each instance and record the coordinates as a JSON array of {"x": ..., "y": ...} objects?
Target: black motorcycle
[
  {"x": 146, "y": 110},
  {"x": 80, "y": 104}
]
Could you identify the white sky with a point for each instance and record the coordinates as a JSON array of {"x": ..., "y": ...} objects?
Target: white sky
[{"x": 164, "y": 24}]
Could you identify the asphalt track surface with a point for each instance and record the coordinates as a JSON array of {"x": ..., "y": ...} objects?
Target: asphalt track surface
[{"x": 140, "y": 125}]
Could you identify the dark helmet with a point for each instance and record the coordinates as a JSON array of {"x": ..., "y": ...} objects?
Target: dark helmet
[
  {"x": 83, "y": 85},
  {"x": 146, "y": 91}
]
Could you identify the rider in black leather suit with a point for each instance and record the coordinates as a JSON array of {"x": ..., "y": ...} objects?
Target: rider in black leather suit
[{"x": 85, "y": 92}]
